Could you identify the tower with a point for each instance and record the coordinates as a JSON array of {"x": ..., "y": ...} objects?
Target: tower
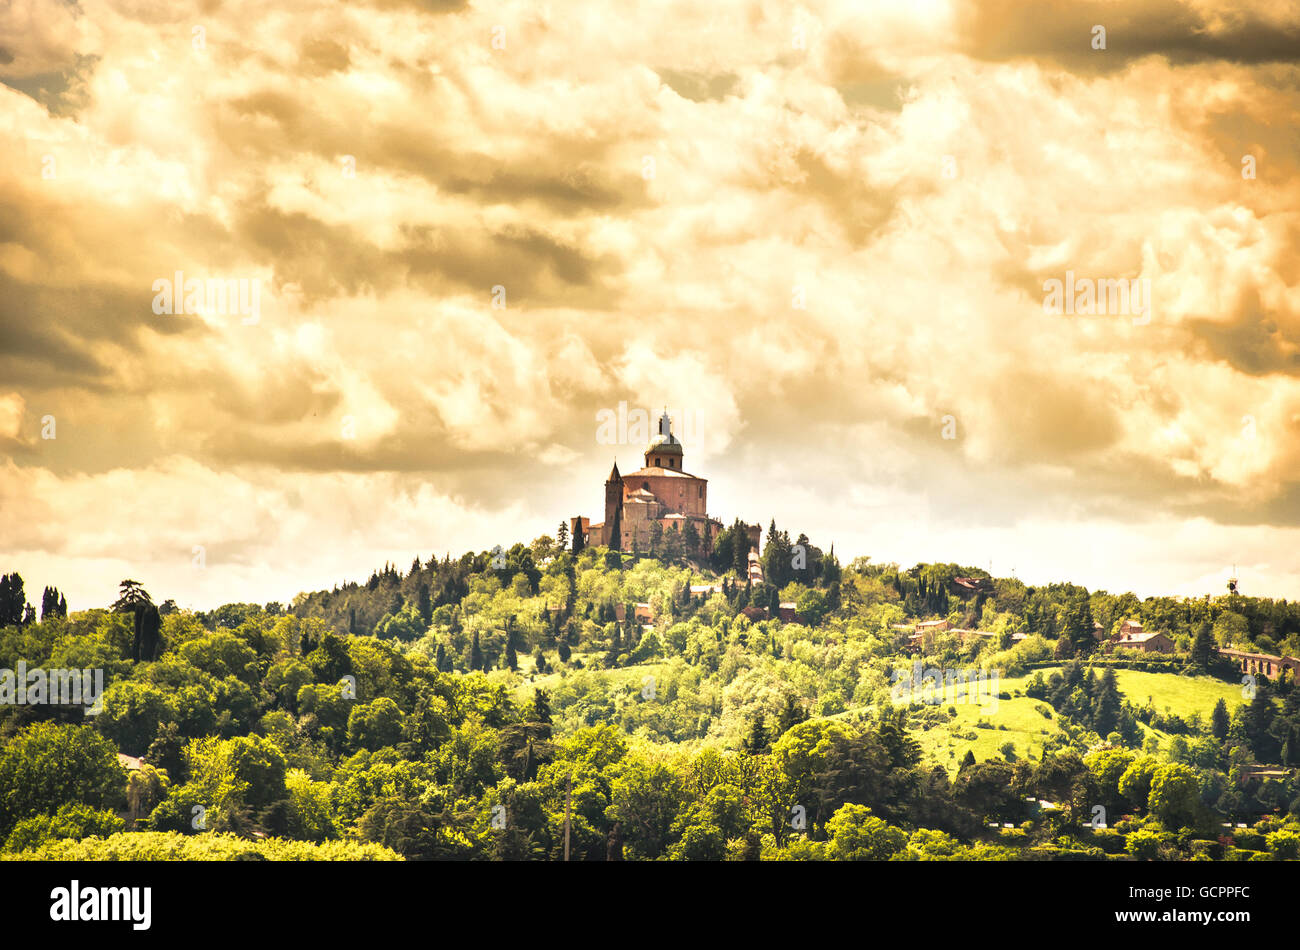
[
  {"x": 665, "y": 450},
  {"x": 614, "y": 510}
]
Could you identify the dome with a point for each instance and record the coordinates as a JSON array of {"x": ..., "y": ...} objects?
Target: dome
[{"x": 664, "y": 445}]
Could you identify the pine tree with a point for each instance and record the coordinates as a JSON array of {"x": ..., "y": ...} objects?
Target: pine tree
[
  {"x": 967, "y": 760},
  {"x": 424, "y": 603},
  {"x": 52, "y": 604},
  {"x": 475, "y": 654},
  {"x": 1106, "y": 705},
  {"x": 1219, "y": 721},
  {"x": 541, "y": 706},
  {"x": 756, "y": 742},
  {"x": 562, "y": 536},
  {"x": 1203, "y": 647},
  {"x": 512, "y": 659}
]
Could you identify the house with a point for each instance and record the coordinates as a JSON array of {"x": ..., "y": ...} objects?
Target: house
[
  {"x": 966, "y": 587},
  {"x": 932, "y": 626},
  {"x": 1146, "y": 642},
  {"x": 644, "y": 613},
  {"x": 1129, "y": 628},
  {"x": 705, "y": 590}
]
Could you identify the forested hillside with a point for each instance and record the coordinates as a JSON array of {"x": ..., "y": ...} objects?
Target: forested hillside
[{"x": 461, "y": 709}]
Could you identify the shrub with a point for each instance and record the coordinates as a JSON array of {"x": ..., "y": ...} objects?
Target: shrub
[
  {"x": 171, "y": 846},
  {"x": 71, "y": 821}
]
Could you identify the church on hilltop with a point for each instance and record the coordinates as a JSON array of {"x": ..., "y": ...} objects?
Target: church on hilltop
[{"x": 659, "y": 494}]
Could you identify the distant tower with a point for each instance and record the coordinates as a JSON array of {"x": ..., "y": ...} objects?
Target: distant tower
[
  {"x": 614, "y": 510},
  {"x": 665, "y": 450}
]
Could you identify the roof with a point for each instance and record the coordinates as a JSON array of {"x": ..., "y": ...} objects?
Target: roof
[
  {"x": 655, "y": 471},
  {"x": 129, "y": 762}
]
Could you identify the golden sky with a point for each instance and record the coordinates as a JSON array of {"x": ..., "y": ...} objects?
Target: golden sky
[{"x": 822, "y": 232}]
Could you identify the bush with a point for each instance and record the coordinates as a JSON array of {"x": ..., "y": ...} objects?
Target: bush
[
  {"x": 1144, "y": 845},
  {"x": 47, "y": 766},
  {"x": 1285, "y": 845},
  {"x": 71, "y": 821},
  {"x": 1248, "y": 840},
  {"x": 171, "y": 846}
]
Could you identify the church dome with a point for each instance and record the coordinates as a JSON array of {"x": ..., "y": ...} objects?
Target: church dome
[{"x": 665, "y": 443}]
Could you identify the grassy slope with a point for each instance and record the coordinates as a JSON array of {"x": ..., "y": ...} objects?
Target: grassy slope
[
  {"x": 1027, "y": 728},
  {"x": 1024, "y": 723},
  {"x": 1182, "y": 695}
]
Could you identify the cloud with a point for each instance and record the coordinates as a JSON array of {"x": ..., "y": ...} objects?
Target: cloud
[{"x": 816, "y": 234}]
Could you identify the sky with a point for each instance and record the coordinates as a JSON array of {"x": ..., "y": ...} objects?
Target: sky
[{"x": 825, "y": 235}]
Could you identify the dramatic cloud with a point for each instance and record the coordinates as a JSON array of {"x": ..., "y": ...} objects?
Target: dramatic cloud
[{"x": 431, "y": 241}]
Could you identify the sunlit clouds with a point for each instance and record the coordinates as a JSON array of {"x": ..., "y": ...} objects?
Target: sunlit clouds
[{"x": 822, "y": 231}]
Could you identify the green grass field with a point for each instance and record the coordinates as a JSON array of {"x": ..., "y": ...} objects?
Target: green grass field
[
  {"x": 1017, "y": 720},
  {"x": 1025, "y": 725},
  {"x": 1182, "y": 695}
]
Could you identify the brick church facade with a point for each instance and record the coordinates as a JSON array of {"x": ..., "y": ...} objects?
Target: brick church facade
[{"x": 662, "y": 493}]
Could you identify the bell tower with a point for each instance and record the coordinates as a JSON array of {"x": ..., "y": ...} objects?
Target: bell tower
[{"x": 614, "y": 510}]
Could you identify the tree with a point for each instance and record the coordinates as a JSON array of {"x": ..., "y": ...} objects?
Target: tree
[
  {"x": 53, "y": 604},
  {"x": 1106, "y": 704},
  {"x": 562, "y": 537},
  {"x": 12, "y": 600},
  {"x": 1257, "y": 722},
  {"x": 756, "y": 742},
  {"x": 375, "y": 725},
  {"x": 1219, "y": 721},
  {"x": 691, "y": 540},
  {"x": 423, "y": 603},
  {"x": 1135, "y": 783},
  {"x": 476, "y": 654},
  {"x": 134, "y": 599},
  {"x": 1175, "y": 795},
  {"x": 47, "y": 766},
  {"x": 1203, "y": 647},
  {"x": 858, "y": 835}
]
